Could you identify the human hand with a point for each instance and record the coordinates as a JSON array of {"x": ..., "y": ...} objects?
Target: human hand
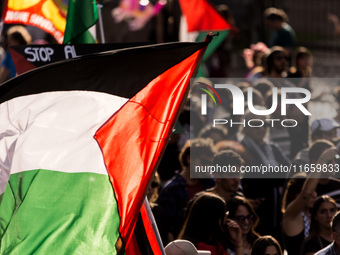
[{"x": 235, "y": 232}]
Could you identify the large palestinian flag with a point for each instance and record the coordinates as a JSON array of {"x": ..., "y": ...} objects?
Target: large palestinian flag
[{"x": 79, "y": 141}]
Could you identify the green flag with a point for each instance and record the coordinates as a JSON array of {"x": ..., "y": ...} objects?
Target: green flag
[{"x": 81, "y": 15}]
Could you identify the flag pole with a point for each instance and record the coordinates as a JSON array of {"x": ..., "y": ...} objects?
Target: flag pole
[
  {"x": 100, "y": 20},
  {"x": 154, "y": 225}
]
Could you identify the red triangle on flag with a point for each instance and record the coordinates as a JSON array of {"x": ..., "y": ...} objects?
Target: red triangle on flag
[
  {"x": 137, "y": 135},
  {"x": 202, "y": 16}
]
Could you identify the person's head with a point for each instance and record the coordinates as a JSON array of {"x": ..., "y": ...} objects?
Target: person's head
[
  {"x": 204, "y": 219},
  {"x": 226, "y": 13},
  {"x": 228, "y": 181},
  {"x": 303, "y": 59},
  {"x": 264, "y": 86},
  {"x": 257, "y": 98},
  {"x": 336, "y": 229},
  {"x": 236, "y": 147},
  {"x": 259, "y": 132},
  {"x": 322, "y": 214},
  {"x": 324, "y": 128},
  {"x": 259, "y": 50},
  {"x": 266, "y": 245},
  {"x": 276, "y": 62},
  {"x": 275, "y": 18},
  {"x": 201, "y": 151},
  {"x": 18, "y": 35},
  {"x": 217, "y": 133},
  {"x": 293, "y": 189},
  {"x": 240, "y": 210},
  {"x": 183, "y": 247},
  {"x": 152, "y": 190}
]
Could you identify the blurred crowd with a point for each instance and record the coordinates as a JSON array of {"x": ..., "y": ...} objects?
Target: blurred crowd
[{"x": 230, "y": 213}]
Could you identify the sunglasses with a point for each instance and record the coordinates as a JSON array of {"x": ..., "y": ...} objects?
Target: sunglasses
[{"x": 242, "y": 218}]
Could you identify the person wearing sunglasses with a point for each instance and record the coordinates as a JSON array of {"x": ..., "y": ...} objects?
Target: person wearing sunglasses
[
  {"x": 241, "y": 211},
  {"x": 276, "y": 63}
]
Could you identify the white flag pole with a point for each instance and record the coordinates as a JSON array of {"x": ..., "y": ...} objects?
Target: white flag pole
[{"x": 100, "y": 20}]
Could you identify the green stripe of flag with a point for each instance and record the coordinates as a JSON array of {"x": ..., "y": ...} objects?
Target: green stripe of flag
[
  {"x": 81, "y": 15},
  {"x": 58, "y": 213}
]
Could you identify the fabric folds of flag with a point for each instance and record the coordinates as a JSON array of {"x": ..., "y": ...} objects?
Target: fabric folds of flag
[
  {"x": 81, "y": 15},
  {"x": 79, "y": 141},
  {"x": 49, "y": 16}
]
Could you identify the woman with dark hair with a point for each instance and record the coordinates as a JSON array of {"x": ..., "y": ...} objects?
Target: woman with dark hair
[
  {"x": 266, "y": 245},
  {"x": 206, "y": 223},
  {"x": 320, "y": 235},
  {"x": 240, "y": 210},
  {"x": 302, "y": 68}
]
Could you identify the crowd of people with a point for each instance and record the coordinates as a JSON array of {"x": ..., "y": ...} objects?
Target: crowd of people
[{"x": 232, "y": 213}]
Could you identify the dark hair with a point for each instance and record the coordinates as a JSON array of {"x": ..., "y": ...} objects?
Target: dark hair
[
  {"x": 232, "y": 206},
  {"x": 294, "y": 187},
  {"x": 314, "y": 225},
  {"x": 261, "y": 244},
  {"x": 228, "y": 157},
  {"x": 270, "y": 56},
  {"x": 19, "y": 34},
  {"x": 208, "y": 130},
  {"x": 264, "y": 86},
  {"x": 302, "y": 52},
  {"x": 196, "y": 146},
  {"x": 203, "y": 220},
  {"x": 317, "y": 148},
  {"x": 272, "y": 13}
]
